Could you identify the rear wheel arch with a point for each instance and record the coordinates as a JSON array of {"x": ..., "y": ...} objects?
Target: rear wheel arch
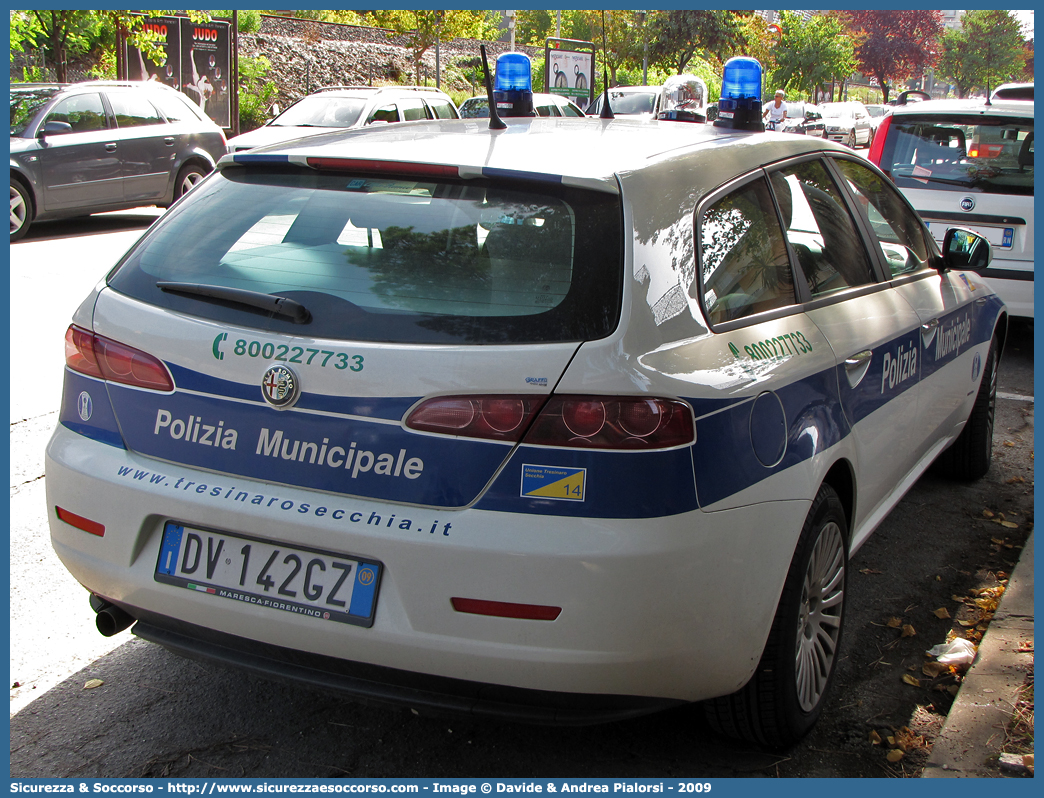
[
  {"x": 27, "y": 186},
  {"x": 841, "y": 477}
]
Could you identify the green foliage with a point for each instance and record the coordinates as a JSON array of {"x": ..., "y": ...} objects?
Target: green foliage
[
  {"x": 425, "y": 27},
  {"x": 988, "y": 49},
  {"x": 33, "y": 74},
  {"x": 810, "y": 54},
  {"x": 105, "y": 67},
  {"x": 676, "y": 37},
  {"x": 256, "y": 92},
  {"x": 343, "y": 17},
  {"x": 249, "y": 21}
]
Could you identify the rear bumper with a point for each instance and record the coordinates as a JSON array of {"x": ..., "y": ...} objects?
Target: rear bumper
[
  {"x": 389, "y": 686},
  {"x": 1014, "y": 287},
  {"x": 676, "y": 608}
]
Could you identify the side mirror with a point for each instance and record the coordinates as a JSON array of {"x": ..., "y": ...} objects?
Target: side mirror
[
  {"x": 965, "y": 250},
  {"x": 54, "y": 128}
]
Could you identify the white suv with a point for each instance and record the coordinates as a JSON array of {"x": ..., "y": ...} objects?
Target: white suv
[{"x": 963, "y": 163}]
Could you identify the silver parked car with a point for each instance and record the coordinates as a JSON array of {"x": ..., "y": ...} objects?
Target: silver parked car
[
  {"x": 85, "y": 148},
  {"x": 848, "y": 122},
  {"x": 346, "y": 107}
]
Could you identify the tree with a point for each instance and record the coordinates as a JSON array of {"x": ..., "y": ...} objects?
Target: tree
[
  {"x": 895, "y": 44},
  {"x": 65, "y": 34},
  {"x": 986, "y": 51},
  {"x": 427, "y": 27},
  {"x": 623, "y": 39},
  {"x": 60, "y": 33},
  {"x": 677, "y": 36},
  {"x": 811, "y": 53}
]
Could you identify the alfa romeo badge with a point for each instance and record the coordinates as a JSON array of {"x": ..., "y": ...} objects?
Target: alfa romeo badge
[{"x": 280, "y": 386}]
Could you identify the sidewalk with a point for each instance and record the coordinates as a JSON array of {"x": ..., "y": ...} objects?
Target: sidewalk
[{"x": 974, "y": 730}]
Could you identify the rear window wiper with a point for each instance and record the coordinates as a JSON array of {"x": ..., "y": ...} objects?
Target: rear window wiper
[{"x": 279, "y": 305}]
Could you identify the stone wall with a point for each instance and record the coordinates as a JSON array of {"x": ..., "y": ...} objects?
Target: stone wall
[{"x": 307, "y": 55}]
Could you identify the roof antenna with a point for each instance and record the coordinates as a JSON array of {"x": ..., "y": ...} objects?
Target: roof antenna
[
  {"x": 607, "y": 112},
  {"x": 495, "y": 122}
]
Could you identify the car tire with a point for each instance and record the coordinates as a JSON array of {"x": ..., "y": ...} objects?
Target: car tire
[
  {"x": 851, "y": 142},
  {"x": 189, "y": 175},
  {"x": 21, "y": 210},
  {"x": 968, "y": 458},
  {"x": 787, "y": 692}
]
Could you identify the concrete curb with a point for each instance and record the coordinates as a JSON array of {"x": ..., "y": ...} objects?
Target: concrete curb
[{"x": 974, "y": 729}]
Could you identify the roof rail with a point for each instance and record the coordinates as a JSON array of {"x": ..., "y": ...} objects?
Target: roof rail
[{"x": 379, "y": 89}]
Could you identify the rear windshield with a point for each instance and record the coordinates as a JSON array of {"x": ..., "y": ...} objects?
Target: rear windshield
[
  {"x": 992, "y": 155},
  {"x": 391, "y": 259}
]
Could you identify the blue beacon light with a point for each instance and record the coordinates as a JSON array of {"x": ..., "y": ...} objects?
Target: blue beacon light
[
  {"x": 513, "y": 87},
  {"x": 739, "y": 107}
]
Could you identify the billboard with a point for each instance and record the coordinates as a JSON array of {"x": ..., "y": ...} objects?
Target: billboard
[
  {"x": 569, "y": 70},
  {"x": 198, "y": 63},
  {"x": 168, "y": 29}
]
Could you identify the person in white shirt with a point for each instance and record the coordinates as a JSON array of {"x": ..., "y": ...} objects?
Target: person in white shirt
[{"x": 776, "y": 112}]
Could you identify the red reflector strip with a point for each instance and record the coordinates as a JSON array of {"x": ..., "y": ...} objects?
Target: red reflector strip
[
  {"x": 392, "y": 167},
  {"x": 80, "y": 522},
  {"x": 503, "y": 609}
]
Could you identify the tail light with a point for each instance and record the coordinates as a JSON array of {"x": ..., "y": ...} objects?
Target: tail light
[
  {"x": 500, "y": 418},
  {"x": 98, "y": 356},
  {"x": 596, "y": 422},
  {"x": 613, "y": 422},
  {"x": 877, "y": 145}
]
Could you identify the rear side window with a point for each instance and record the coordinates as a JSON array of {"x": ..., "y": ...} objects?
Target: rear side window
[
  {"x": 132, "y": 110},
  {"x": 743, "y": 256},
  {"x": 442, "y": 109},
  {"x": 820, "y": 229},
  {"x": 413, "y": 110},
  {"x": 397, "y": 260},
  {"x": 175, "y": 108},
  {"x": 957, "y": 152}
]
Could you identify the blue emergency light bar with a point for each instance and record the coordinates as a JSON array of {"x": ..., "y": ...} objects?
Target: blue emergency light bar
[
  {"x": 513, "y": 86},
  {"x": 739, "y": 107}
]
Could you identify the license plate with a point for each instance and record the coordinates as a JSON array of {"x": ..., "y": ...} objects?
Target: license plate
[
  {"x": 319, "y": 584},
  {"x": 999, "y": 237}
]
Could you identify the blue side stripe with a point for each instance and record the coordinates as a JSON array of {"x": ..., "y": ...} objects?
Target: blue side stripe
[
  {"x": 248, "y": 157},
  {"x": 518, "y": 174},
  {"x": 391, "y": 408}
]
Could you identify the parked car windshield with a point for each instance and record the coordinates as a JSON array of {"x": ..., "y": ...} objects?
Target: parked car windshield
[
  {"x": 25, "y": 103},
  {"x": 320, "y": 111},
  {"x": 961, "y": 153},
  {"x": 395, "y": 260}
]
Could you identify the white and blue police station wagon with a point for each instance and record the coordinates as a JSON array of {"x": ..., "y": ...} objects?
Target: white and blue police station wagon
[{"x": 564, "y": 422}]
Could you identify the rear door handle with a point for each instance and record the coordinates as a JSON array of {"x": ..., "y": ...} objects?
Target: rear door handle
[
  {"x": 111, "y": 147},
  {"x": 168, "y": 140},
  {"x": 928, "y": 330},
  {"x": 857, "y": 365}
]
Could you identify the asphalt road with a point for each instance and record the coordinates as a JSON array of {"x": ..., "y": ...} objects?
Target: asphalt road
[{"x": 158, "y": 715}]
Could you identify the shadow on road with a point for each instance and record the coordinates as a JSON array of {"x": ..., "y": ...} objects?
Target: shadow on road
[
  {"x": 115, "y": 222},
  {"x": 158, "y": 715}
]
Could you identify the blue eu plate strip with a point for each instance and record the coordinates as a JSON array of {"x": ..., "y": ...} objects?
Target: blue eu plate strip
[{"x": 171, "y": 546}]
